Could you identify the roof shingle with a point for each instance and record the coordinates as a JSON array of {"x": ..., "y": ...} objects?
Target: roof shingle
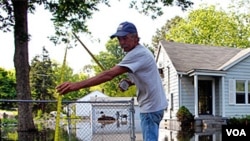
[{"x": 186, "y": 57}]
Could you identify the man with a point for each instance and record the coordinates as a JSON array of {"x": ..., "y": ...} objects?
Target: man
[{"x": 142, "y": 71}]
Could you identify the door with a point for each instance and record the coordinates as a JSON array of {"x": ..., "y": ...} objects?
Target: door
[{"x": 205, "y": 97}]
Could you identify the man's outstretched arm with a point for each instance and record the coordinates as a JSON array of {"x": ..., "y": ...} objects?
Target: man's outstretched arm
[{"x": 104, "y": 76}]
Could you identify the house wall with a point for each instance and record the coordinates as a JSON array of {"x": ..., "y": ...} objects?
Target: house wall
[
  {"x": 170, "y": 84},
  {"x": 180, "y": 89},
  {"x": 187, "y": 93},
  {"x": 218, "y": 96},
  {"x": 238, "y": 71},
  {"x": 222, "y": 107},
  {"x": 84, "y": 109}
]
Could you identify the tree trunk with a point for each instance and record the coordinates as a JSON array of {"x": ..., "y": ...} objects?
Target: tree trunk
[{"x": 21, "y": 62}]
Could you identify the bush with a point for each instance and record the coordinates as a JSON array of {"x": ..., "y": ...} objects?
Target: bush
[
  {"x": 244, "y": 120},
  {"x": 184, "y": 116},
  {"x": 6, "y": 121}
]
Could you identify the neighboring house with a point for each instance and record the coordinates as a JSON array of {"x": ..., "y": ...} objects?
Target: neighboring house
[
  {"x": 84, "y": 109},
  {"x": 116, "y": 112},
  {"x": 117, "y": 108},
  {"x": 210, "y": 81}
]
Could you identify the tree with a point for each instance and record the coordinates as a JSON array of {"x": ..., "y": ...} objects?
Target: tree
[
  {"x": 240, "y": 9},
  {"x": 209, "y": 26},
  {"x": 68, "y": 15},
  {"x": 7, "y": 87},
  {"x": 161, "y": 33},
  {"x": 70, "y": 76},
  {"x": 42, "y": 80},
  {"x": 21, "y": 63}
]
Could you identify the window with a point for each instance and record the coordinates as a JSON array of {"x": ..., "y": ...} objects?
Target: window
[
  {"x": 161, "y": 72},
  {"x": 172, "y": 102},
  {"x": 242, "y": 92}
]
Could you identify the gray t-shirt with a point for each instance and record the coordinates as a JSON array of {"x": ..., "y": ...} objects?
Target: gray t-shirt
[{"x": 144, "y": 73}]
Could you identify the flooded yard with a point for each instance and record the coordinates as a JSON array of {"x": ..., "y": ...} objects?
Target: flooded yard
[
  {"x": 85, "y": 125},
  {"x": 85, "y": 131}
]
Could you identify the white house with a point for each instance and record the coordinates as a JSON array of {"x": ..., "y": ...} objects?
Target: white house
[
  {"x": 84, "y": 109},
  {"x": 210, "y": 81},
  {"x": 96, "y": 105}
]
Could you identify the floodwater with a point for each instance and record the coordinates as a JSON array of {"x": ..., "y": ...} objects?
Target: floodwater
[
  {"x": 208, "y": 135},
  {"x": 113, "y": 131}
]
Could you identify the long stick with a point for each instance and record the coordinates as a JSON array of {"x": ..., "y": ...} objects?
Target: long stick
[
  {"x": 98, "y": 63},
  {"x": 59, "y": 99}
]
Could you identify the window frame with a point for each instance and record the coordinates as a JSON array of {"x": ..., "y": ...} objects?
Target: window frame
[{"x": 242, "y": 92}]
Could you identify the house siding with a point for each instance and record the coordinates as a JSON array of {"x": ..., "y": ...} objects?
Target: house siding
[
  {"x": 218, "y": 96},
  {"x": 174, "y": 91},
  {"x": 170, "y": 84},
  {"x": 241, "y": 71},
  {"x": 185, "y": 63},
  {"x": 84, "y": 109},
  {"x": 187, "y": 93}
]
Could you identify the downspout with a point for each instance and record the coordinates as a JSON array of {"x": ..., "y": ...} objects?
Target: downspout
[
  {"x": 223, "y": 96},
  {"x": 180, "y": 88},
  {"x": 196, "y": 96}
]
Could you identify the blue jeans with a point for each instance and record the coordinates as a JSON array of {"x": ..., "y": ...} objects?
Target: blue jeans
[{"x": 150, "y": 125}]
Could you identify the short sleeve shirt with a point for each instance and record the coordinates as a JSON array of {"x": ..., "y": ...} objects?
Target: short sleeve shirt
[{"x": 144, "y": 73}]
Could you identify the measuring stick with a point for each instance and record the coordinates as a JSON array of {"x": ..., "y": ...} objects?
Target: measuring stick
[
  {"x": 98, "y": 63},
  {"x": 59, "y": 100}
]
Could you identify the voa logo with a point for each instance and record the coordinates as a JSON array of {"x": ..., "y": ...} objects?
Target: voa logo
[{"x": 236, "y": 132}]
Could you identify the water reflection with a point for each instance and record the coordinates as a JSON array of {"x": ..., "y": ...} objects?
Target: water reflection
[
  {"x": 115, "y": 131},
  {"x": 187, "y": 135},
  {"x": 106, "y": 131}
]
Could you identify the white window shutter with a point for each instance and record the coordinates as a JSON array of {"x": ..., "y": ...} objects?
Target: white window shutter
[{"x": 231, "y": 91}]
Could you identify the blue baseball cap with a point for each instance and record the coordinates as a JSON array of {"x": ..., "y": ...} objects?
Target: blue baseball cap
[{"x": 124, "y": 29}]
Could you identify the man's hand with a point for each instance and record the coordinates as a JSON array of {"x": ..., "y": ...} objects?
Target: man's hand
[
  {"x": 66, "y": 87},
  {"x": 124, "y": 84}
]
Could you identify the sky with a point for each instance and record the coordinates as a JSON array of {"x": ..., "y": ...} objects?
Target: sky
[{"x": 103, "y": 24}]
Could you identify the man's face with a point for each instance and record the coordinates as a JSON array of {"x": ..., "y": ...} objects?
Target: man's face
[{"x": 128, "y": 42}]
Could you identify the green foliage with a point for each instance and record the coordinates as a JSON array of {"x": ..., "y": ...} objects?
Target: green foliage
[
  {"x": 70, "y": 76},
  {"x": 244, "y": 120},
  {"x": 42, "y": 81},
  {"x": 77, "y": 94},
  {"x": 9, "y": 133},
  {"x": 161, "y": 33},
  {"x": 154, "y": 7},
  {"x": 13, "y": 136},
  {"x": 209, "y": 26},
  {"x": 185, "y": 117},
  {"x": 39, "y": 114},
  {"x": 8, "y": 121},
  {"x": 7, "y": 87},
  {"x": 184, "y": 114}
]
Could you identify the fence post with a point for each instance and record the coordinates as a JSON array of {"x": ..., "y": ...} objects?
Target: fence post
[{"x": 132, "y": 111}]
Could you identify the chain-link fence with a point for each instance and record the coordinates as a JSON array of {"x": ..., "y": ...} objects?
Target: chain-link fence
[{"x": 94, "y": 120}]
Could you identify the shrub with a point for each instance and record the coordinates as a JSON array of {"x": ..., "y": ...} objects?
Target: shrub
[
  {"x": 184, "y": 116},
  {"x": 244, "y": 120},
  {"x": 6, "y": 121}
]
